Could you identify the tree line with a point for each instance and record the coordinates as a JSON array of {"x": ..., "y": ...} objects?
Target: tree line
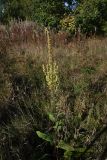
[{"x": 69, "y": 15}]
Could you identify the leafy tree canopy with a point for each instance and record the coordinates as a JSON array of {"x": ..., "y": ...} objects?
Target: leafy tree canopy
[
  {"x": 88, "y": 14},
  {"x": 91, "y": 14}
]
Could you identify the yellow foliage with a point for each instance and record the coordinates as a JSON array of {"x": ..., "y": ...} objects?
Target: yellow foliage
[{"x": 68, "y": 23}]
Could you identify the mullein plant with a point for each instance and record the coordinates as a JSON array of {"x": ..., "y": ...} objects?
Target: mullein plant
[
  {"x": 58, "y": 112},
  {"x": 51, "y": 74}
]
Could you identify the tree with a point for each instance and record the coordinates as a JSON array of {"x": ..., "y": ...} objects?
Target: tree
[
  {"x": 49, "y": 12},
  {"x": 46, "y": 12},
  {"x": 16, "y": 9},
  {"x": 1, "y": 9},
  {"x": 91, "y": 15}
]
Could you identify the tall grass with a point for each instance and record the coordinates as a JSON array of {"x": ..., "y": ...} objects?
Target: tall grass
[{"x": 28, "y": 74}]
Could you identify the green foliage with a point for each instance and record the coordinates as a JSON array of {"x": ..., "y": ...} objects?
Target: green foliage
[
  {"x": 91, "y": 14},
  {"x": 51, "y": 117},
  {"x": 1, "y": 9},
  {"x": 87, "y": 16},
  {"x": 16, "y": 9},
  {"x": 65, "y": 146},
  {"x": 67, "y": 149},
  {"x": 104, "y": 27},
  {"x": 88, "y": 70},
  {"x": 44, "y": 136},
  {"x": 48, "y": 12},
  {"x": 68, "y": 24}
]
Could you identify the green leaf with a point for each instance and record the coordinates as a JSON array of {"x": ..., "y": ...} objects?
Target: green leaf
[
  {"x": 67, "y": 155},
  {"x": 51, "y": 117},
  {"x": 44, "y": 136},
  {"x": 80, "y": 150},
  {"x": 65, "y": 146}
]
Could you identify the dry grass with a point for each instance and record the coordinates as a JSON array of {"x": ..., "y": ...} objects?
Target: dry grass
[{"x": 23, "y": 93}]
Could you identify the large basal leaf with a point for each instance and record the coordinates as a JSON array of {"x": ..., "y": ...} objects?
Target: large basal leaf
[
  {"x": 65, "y": 146},
  {"x": 67, "y": 155},
  {"x": 51, "y": 117},
  {"x": 44, "y": 136}
]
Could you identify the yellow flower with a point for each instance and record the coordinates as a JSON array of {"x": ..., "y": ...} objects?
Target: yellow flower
[{"x": 51, "y": 69}]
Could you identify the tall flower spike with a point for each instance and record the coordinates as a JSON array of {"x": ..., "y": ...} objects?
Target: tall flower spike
[{"x": 51, "y": 70}]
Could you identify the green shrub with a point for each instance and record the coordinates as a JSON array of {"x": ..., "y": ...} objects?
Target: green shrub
[{"x": 68, "y": 24}]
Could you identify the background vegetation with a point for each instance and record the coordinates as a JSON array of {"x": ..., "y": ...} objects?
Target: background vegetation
[
  {"x": 53, "y": 81},
  {"x": 62, "y": 116},
  {"x": 90, "y": 16}
]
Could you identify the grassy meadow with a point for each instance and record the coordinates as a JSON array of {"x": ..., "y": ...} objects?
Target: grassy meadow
[{"x": 53, "y": 94}]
